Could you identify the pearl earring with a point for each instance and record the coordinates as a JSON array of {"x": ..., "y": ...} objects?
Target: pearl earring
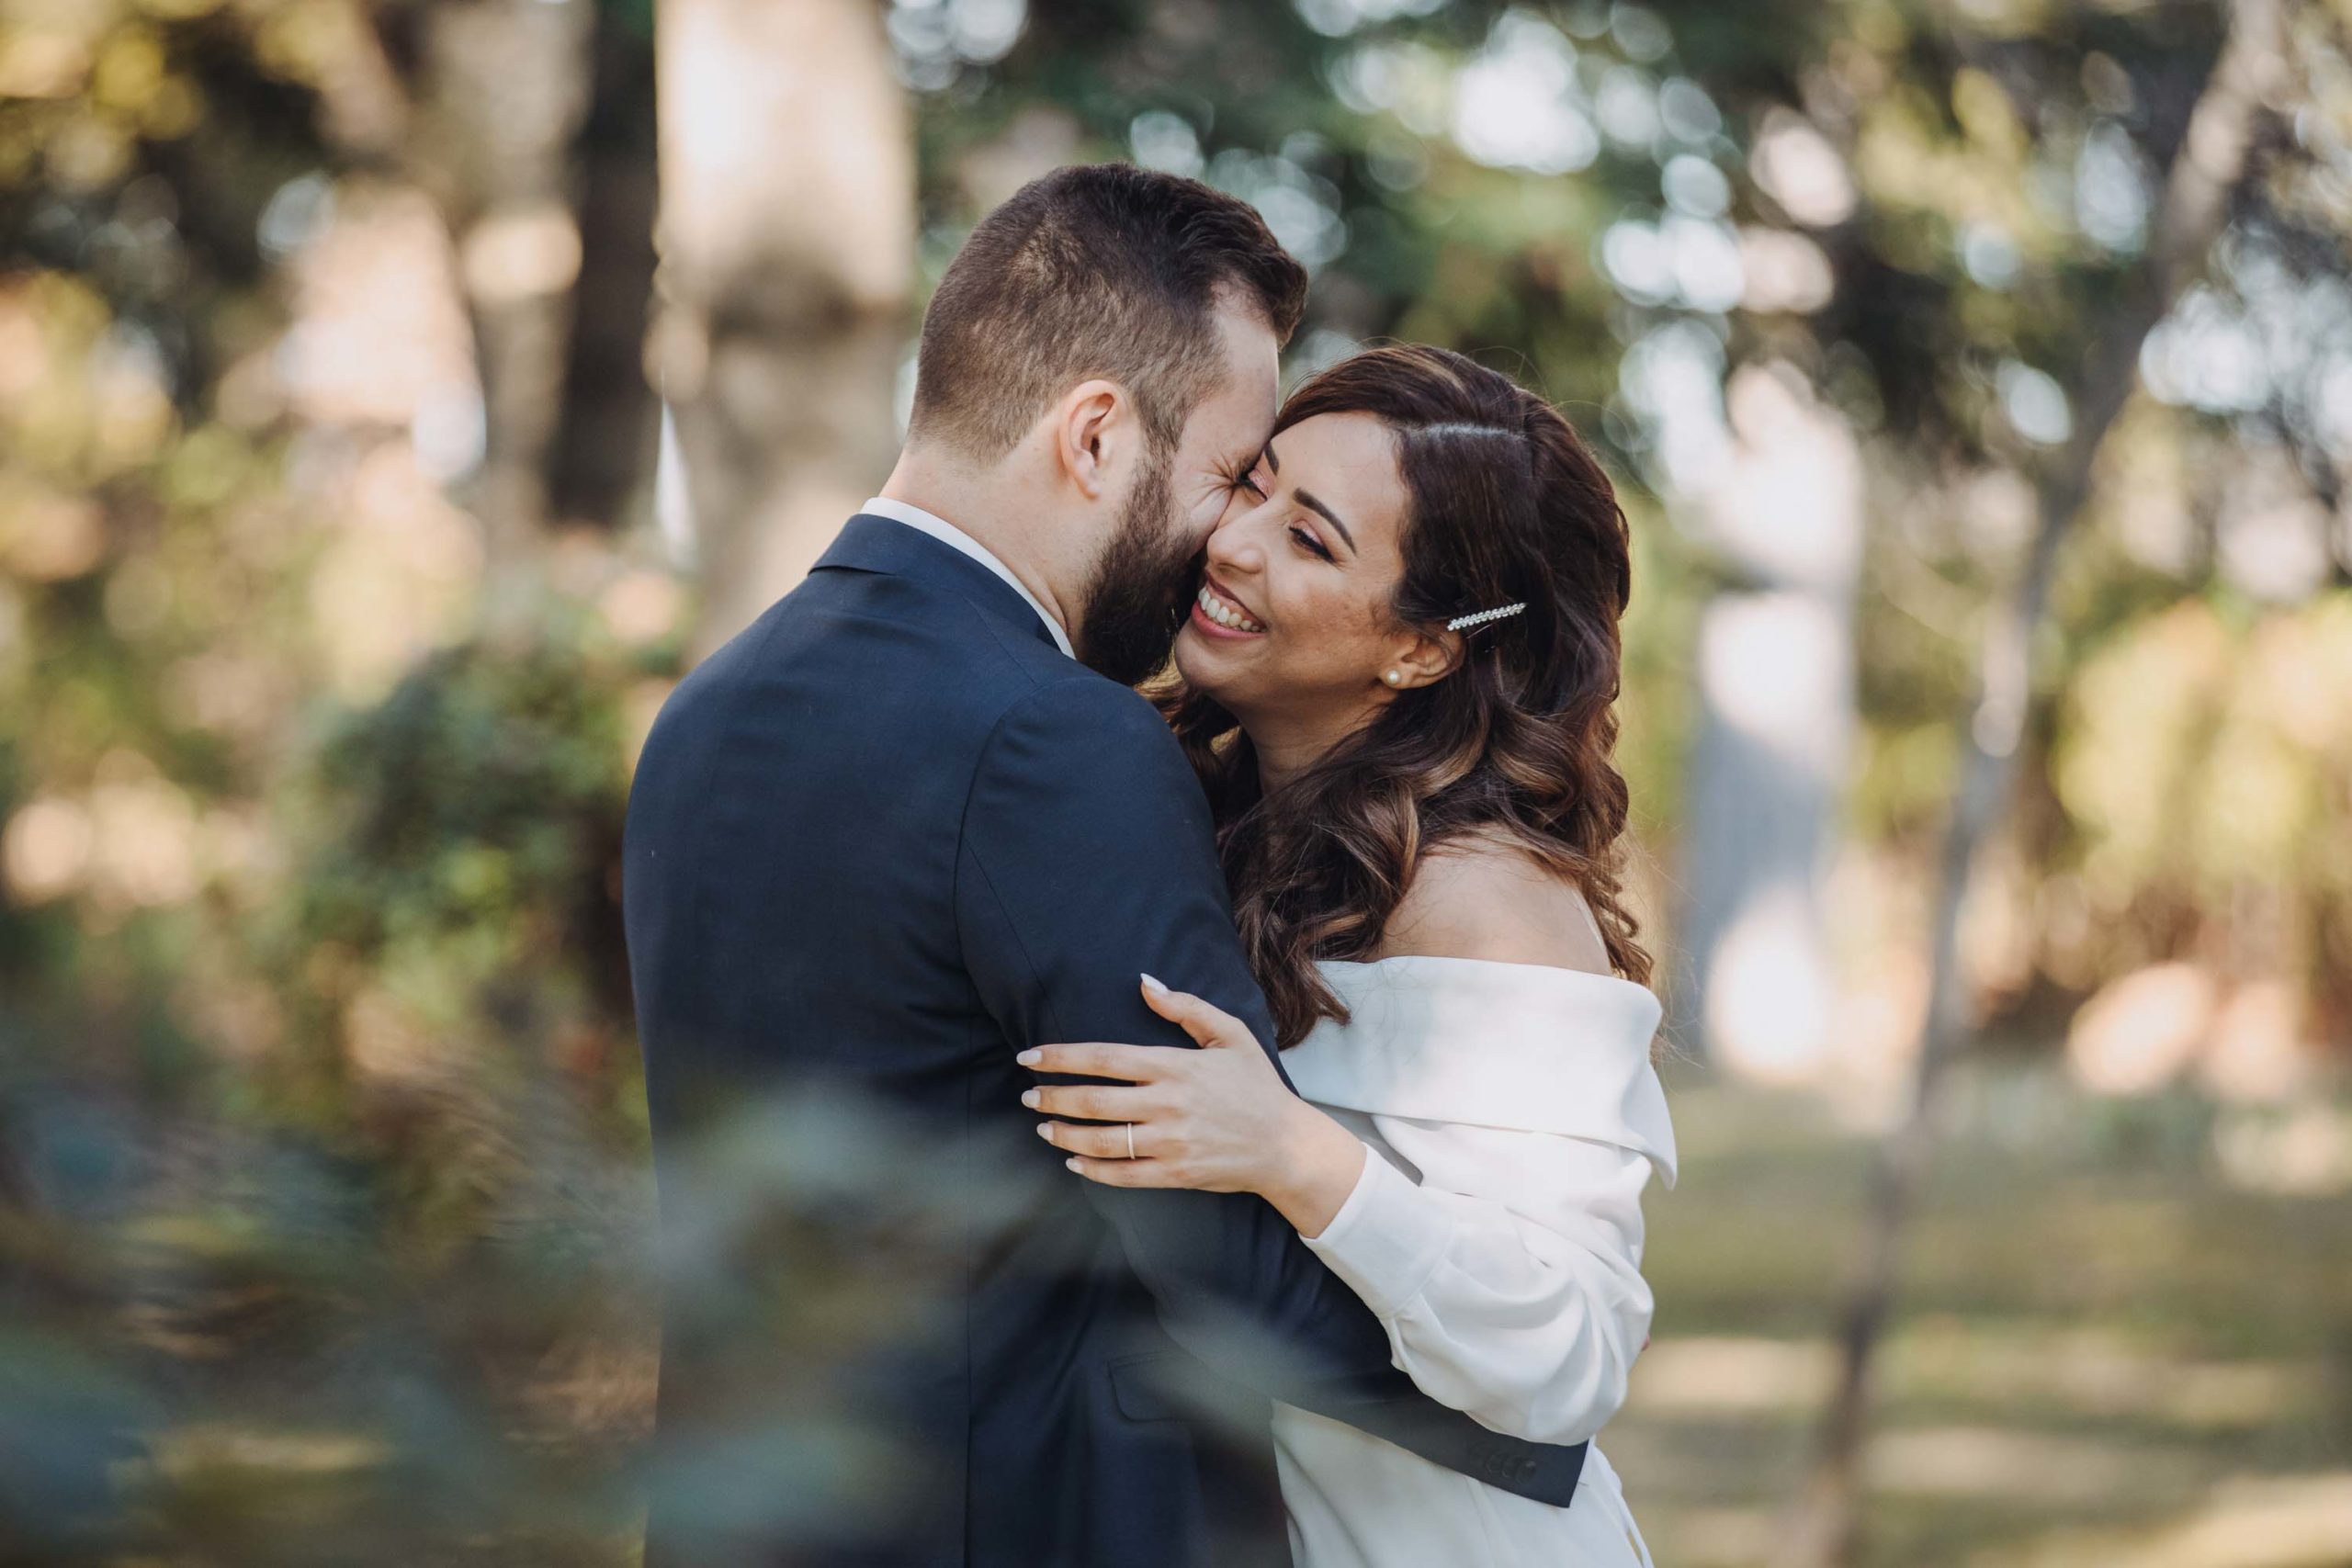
[{"x": 1395, "y": 678}]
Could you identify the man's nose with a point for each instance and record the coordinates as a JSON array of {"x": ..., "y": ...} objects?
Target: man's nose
[{"x": 1234, "y": 545}]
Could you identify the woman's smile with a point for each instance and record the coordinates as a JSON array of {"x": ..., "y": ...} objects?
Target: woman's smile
[{"x": 1219, "y": 614}]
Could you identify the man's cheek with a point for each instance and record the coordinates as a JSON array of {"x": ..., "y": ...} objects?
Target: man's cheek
[{"x": 1205, "y": 511}]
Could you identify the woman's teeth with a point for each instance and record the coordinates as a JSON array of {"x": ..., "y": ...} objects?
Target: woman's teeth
[{"x": 1223, "y": 612}]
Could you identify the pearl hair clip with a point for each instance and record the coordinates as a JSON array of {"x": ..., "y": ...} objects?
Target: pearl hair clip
[{"x": 1462, "y": 622}]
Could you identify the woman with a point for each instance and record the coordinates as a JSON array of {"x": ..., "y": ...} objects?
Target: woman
[{"x": 1397, "y": 683}]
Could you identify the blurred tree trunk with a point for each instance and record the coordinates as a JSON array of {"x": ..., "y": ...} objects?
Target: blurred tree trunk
[
  {"x": 1776, "y": 724},
  {"x": 482, "y": 105},
  {"x": 787, "y": 244},
  {"x": 605, "y": 441},
  {"x": 2204, "y": 171},
  {"x": 505, "y": 86}
]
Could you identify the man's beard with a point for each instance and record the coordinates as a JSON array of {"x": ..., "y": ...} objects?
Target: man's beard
[{"x": 1136, "y": 601}]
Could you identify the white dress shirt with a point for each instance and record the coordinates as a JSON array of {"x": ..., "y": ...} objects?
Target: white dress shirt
[
  {"x": 947, "y": 533},
  {"x": 1512, "y": 1119}
]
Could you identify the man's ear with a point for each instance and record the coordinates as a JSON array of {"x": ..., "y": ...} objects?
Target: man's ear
[
  {"x": 1091, "y": 426},
  {"x": 1423, "y": 658}
]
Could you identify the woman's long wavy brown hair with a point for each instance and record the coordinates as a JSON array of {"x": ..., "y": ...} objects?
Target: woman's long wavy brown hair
[{"x": 1505, "y": 505}]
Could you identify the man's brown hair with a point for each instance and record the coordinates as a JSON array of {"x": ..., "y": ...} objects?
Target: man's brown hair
[{"x": 1095, "y": 270}]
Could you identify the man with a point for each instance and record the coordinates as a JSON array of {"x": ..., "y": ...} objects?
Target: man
[{"x": 913, "y": 822}]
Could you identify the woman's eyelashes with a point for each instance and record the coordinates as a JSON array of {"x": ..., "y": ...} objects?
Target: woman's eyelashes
[{"x": 1246, "y": 481}]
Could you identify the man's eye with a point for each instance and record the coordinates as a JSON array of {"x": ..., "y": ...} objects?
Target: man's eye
[{"x": 1248, "y": 480}]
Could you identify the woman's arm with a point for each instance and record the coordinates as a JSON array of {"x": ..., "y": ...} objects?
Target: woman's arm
[
  {"x": 1509, "y": 1279},
  {"x": 1525, "y": 1311}
]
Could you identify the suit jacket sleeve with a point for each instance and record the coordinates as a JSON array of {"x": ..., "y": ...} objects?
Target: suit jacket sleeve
[{"x": 1088, "y": 859}]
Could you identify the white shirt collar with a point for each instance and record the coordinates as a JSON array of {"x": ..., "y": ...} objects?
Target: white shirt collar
[{"x": 947, "y": 533}]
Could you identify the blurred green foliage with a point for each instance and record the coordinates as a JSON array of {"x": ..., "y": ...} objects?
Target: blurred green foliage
[{"x": 447, "y": 840}]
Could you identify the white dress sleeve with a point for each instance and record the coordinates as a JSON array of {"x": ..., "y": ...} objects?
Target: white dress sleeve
[
  {"x": 1506, "y": 1264},
  {"x": 1527, "y": 1313}
]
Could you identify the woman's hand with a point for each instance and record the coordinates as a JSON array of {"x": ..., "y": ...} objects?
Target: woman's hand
[{"x": 1218, "y": 1119}]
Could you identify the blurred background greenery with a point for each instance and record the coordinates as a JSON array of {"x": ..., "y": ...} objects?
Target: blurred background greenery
[{"x": 1978, "y": 374}]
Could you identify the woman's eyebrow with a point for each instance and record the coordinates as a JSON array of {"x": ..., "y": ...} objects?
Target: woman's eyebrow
[{"x": 1329, "y": 516}]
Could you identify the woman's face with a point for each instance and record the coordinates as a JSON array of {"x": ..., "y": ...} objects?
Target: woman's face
[{"x": 1294, "y": 614}]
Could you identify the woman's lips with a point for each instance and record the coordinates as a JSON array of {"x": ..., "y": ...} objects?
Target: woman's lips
[{"x": 1221, "y": 613}]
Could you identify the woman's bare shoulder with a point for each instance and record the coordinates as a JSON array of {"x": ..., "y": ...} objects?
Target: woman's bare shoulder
[{"x": 1486, "y": 898}]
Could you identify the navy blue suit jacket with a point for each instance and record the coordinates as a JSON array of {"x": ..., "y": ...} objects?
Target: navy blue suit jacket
[{"x": 878, "y": 843}]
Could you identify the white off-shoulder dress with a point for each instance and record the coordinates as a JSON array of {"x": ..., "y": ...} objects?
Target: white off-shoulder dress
[{"x": 1512, "y": 1118}]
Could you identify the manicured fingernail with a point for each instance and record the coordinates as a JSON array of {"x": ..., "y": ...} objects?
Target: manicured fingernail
[
  {"x": 1028, "y": 1058},
  {"x": 1029, "y": 1097},
  {"x": 1071, "y": 1162},
  {"x": 1045, "y": 1131},
  {"x": 1151, "y": 985}
]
